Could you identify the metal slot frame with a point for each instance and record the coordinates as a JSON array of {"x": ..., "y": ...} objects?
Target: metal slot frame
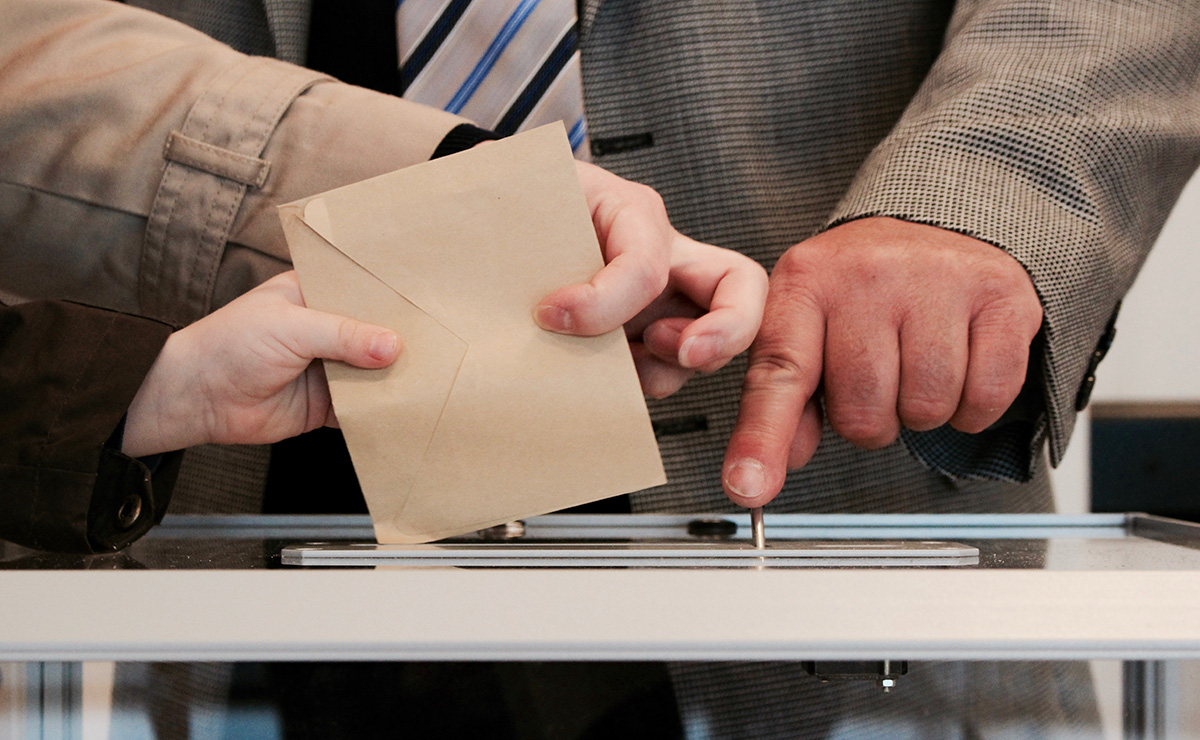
[{"x": 799, "y": 554}]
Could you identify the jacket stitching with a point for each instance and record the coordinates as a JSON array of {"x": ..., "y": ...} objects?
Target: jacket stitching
[{"x": 229, "y": 164}]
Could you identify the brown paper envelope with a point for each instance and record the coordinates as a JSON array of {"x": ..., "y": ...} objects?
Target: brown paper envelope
[{"x": 485, "y": 418}]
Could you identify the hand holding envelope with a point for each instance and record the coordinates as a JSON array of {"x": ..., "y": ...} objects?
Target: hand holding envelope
[
  {"x": 485, "y": 417},
  {"x": 708, "y": 312}
]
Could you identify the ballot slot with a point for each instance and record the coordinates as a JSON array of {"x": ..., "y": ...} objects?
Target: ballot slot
[
  {"x": 717, "y": 541},
  {"x": 653, "y": 554}
]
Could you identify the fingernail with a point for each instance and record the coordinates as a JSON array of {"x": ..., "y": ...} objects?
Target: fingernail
[
  {"x": 698, "y": 350},
  {"x": 383, "y": 346},
  {"x": 747, "y": 478},
  {"x": 553, "y": 318}
]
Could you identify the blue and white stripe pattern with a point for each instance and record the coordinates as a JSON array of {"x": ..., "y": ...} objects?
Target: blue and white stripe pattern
[{"x": 508, "y": 65}]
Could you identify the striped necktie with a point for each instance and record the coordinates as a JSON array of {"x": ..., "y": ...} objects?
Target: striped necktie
[{"x": 508, "y": 65}]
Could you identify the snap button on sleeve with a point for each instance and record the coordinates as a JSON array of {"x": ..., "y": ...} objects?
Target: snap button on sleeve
[{"x": 129, "y": 512}]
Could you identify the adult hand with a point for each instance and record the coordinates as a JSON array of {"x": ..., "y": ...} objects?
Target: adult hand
[
  {"x": 685, "y": 305},
  {"x": 904, "y": 324},
  {"x": 245, "y": 373}
]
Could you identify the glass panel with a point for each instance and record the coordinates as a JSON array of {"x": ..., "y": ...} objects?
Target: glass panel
[{"x": 290, "y": 701}]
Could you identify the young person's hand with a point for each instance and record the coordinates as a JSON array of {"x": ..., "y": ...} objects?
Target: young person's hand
[
  {"x": 246, "y": 374},
  {"x": 686, "y": 306}
]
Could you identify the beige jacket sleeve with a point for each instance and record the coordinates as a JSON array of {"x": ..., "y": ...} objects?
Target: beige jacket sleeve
[{"x": 141, "y": 162}]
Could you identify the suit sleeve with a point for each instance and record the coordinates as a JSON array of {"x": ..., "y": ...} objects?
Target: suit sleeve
[
  {"x": 67, "y": 375},
  {"x": 1062, "y": 132},
  {"x": 141, "y": 161}
]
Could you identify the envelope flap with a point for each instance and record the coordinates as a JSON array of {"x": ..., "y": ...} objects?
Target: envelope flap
[
  {"x": 476, "y": 257},
  {"x": 369, "y": 250},
  {"x": 388, "y": 416}
]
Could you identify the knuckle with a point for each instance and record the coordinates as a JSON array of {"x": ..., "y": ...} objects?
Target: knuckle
[
  {"x": 1006, "y": 290},
  {"x": 923, "y": 412},
  {"x": 860, "y": 408},
  {"x": 787, "y": 301},
  {"x": 347, "y": 333},
  {"x": 636, "y": 196},
  {"x": 651, "y": 276},
  {"x": 864, "y": 427},
  {"x": 991, "y": 396},
  {"x": 775, "y": 369},
  {"x": 803, "y": 277},
  {"x": 930, "y": 395},
  {"x": 1010, "y": 320},
  {"x": 648, "y": 196},
  {"x": 794, "y": 262}
]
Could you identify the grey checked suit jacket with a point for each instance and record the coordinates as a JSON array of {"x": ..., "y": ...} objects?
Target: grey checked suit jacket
[{"x": 1060, "y": 132}]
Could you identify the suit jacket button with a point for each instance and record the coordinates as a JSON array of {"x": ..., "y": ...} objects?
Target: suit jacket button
[
  {"x": 1102, "y": 347},
  {"x": 1110, "y": 333},
  {"x": 1085, "y": 392}
]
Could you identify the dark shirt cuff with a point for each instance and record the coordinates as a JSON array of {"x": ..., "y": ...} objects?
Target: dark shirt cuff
[{"x": 463, "y": 137}]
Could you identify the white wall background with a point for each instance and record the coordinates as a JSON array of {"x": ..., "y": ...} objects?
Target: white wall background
[{"x": 1156, "y": 356}]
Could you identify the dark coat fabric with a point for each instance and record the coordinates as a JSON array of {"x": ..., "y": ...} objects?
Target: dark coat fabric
[{"x": 67, "y": 375}]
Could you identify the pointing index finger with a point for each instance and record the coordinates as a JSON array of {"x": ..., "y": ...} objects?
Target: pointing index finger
[{"x": 785, "y": 369}]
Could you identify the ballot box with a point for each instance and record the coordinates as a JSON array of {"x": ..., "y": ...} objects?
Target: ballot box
[{"x": 876, "y": 601}]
